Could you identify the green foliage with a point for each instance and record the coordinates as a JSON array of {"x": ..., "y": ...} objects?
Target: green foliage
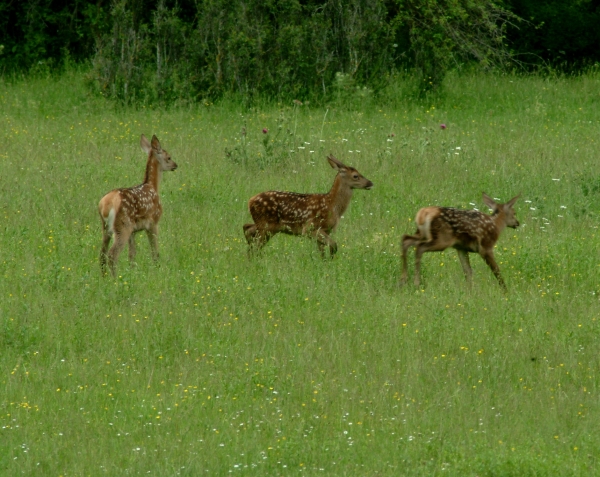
[
  {"x": 277, "y": 145},
  {"x": 274, "y": 49},
  {"x": 43, "y": 34},
  {"x": 448, "y": 33},
  {"x": 117, "y": 67},
  {"x": 287, "y": 49},
  {"x": 174, "y": 51}
]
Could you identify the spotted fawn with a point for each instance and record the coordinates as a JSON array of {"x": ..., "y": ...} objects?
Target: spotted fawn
[
  {"x": 314, "y": 215},
  {"x": 466, "y": 230},
  {"x": 124, "y": 212}
]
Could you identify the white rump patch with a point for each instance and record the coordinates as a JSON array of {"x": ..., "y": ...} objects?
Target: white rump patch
[
  {"x": 110, "y": 221},
  {"x": 425, "y": 228}
]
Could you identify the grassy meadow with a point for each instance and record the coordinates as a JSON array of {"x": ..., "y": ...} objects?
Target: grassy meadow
[{"x": 209, "y": 363}]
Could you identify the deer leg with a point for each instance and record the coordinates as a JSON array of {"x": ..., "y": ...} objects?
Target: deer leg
[
  {"x": 422, "y": 247},
  {"x": 152, "y": 233},
  {"x": 132, "y": 249},
  {"x": 324, "y": 239},
  {"x": 418, "y": 254},
  {"x": 256, "y": 237},
  {"x": 489, "y": 259},
  {"x": 407, "y": 242},
  {"x": 250, "y": 232},
  {"x": 466, "y": 265},
  {"x": 105, "y": 244},
  {"x": 114, "y": 252}
]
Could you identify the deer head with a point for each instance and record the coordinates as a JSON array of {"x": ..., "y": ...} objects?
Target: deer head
[
  {"x": 163, "y": 157},
  {"x": 507, "y": 210},
  {"x": 350, "y": 175}
]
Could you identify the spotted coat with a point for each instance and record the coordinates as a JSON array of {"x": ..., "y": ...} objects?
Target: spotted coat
[
  {"x": 465, "y": 230},
  {"x": 127, "y": 211},
  {"x": 292, "y": 213},
  {"x": 470, "y": 230}
]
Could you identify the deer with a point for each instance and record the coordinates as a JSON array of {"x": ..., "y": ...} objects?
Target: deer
[
  {"x": 465, "y": 230},
  {"x": 313, "y": 215},
  {"x": 124, "y": 212}
]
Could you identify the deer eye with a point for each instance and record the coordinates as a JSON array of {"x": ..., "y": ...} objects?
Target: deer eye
[{"x": 355, "y": 177}]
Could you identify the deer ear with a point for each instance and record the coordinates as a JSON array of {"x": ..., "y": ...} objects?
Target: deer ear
[
  {"x": 487, "y": 200},
  {"x": 333, "y": 162},
  {"x": 145, "y": 145},
  {"x": 512, "y": 201},
  {"x": 156, "y": 143}
]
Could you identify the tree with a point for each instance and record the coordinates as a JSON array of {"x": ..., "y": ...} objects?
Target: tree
[{"x": 447, "y": 32}]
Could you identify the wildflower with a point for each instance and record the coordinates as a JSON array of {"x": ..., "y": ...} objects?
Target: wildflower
[
  {"x": 297, "y": 103},
  {"x": 442, "y": 126},
  {"x": 265, "y": 130}
]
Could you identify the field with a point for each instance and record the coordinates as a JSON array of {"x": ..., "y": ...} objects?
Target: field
[{"x": 209, "y": 363}]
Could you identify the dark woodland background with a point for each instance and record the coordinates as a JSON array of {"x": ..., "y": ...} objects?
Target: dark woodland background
[{"x": 166, "y": 50}]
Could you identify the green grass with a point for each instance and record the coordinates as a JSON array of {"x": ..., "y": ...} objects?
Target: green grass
[{"x": 209, "y": 363}]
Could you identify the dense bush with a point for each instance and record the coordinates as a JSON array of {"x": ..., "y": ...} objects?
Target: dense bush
[
  {"x": 36, "y": 33},
  {"x": 277, "y": 48},
  {"x": 170, "y": 50},
  {"x": 288, "y": 48}
]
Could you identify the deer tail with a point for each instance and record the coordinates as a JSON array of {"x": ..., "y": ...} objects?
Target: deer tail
[{"x": 423, "y": 220}]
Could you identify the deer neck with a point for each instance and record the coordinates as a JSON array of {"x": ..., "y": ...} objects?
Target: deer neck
[
  {"x": 499, "y": 221},
  {"x": 153, "y": 173},
  {"x": 339, "y": 197}
]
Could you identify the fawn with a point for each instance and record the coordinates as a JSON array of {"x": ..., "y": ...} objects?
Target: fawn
[
  {"x": 316, "y": 215},
  {"x": 125, "y": 212},
  {"x": 466, "y": 230}
]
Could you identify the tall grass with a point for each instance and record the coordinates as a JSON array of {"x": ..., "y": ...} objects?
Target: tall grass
[{"x": 209, "y": 363}]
